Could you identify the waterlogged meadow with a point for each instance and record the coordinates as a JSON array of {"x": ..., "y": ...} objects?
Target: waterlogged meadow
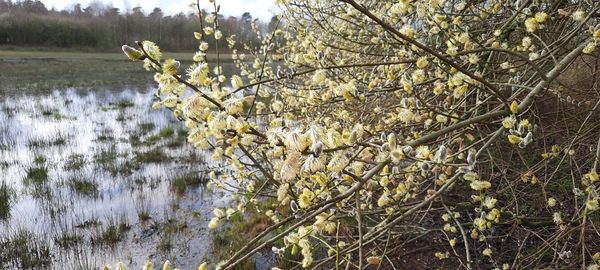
[{"x": 89, "y": 177}]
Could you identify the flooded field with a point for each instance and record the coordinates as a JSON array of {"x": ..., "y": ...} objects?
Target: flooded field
[{"x": 95, "y": 176}]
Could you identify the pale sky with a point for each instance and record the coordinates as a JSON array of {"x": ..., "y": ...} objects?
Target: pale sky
[{"x": 262, "y": 9}]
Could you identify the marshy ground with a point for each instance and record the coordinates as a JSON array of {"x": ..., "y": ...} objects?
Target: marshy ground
[{"x": 89, "y": 173}]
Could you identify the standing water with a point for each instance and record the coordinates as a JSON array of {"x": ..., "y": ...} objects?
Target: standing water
[{"x": 89, "y": 178}]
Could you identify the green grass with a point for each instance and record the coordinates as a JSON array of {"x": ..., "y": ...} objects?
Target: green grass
[
  {"x": 179, "y": 140},
  {"x": 83, "y": 187},
  {"x": 152, "y": 139},
  {"x": 235, "y": 232},
  {"x": 23, "y": 251},
  {"x": 105, "y": 56},
  {"x": 235, "y": 235},
  {"x": 58, "y": 140},
  {"x": 166, "y": 132},
  {"x": 106, "y": 157},
  {"x": 88, "y": 224},
  {"x": 181, "y": 183},
  {"x": 43, "y": 192},
  {"x": 122, "y": 104},
  {"x": 105, "y": 137},
  {"x": 163, "y": 134},
  {"x": 56, "y": 115},
  {"x": 155, "y": 155},
  {"x": 126, "y": 168},
  {"x": 68, "y": 240},
  {"x": 122, "y": 117},
  {"x": 107, "y": 160},
  {"x": 146, "y": 127},
  {"x": 134, "y": 140},
  {"x": 166, "y": 243},
  {"x": 42, "y": 71},
  {"x": 36, "y": 175},
  {"x": 169, "y": 229},
  {"x": 6, "y": 195},
  {"x": 39, "y": 159},
  {"x": 74, "y": 162},
  {"x": 112, "y": 234}
]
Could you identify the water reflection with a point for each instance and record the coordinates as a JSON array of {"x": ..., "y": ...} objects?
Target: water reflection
[{"x": 97, "y": 176}]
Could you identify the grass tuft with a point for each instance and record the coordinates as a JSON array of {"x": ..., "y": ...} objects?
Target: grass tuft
[
  {"x": 112, "y": 234},
  {"x": 181, "y": 183},
  {"x": 36, "y": 175},
  {"x": 122, "y": 104},
  {"x": 155, "y": 155},
  {"x": 166, "y": 132},
  {"x": 146, "y": 127},
  {"x": 74, "y": 162},
  {"x": 67, "y": 240},
  {"x": 83, "y": 187},
  {"x": 39, "y": 159},
  {"x": 6, "y": 196},
  {"x": 22, "y": 251}
]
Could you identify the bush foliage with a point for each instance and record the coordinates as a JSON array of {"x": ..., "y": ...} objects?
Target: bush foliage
[{"x": 421, "y": 133}]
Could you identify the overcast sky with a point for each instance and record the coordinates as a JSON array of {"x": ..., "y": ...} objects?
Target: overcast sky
[{"x": 262, "y": 9}]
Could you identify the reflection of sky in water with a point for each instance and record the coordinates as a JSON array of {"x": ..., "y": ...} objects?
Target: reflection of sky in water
[{"x": 61, "y": 124}]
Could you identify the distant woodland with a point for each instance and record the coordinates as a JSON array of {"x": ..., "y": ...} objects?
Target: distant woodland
[{"x": 101, "y": 26}]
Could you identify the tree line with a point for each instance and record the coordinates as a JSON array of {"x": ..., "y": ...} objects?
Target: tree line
[{"x": 101, "y": 26}]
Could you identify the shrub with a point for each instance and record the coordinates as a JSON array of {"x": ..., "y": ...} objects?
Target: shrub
[{"x": 380, "y": 123}]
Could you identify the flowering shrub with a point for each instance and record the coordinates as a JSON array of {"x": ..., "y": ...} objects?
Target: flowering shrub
[{"x": 448, "y": 128}]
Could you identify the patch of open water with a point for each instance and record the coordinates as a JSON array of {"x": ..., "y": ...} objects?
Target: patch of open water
[{"x": 97, "y": 177}]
